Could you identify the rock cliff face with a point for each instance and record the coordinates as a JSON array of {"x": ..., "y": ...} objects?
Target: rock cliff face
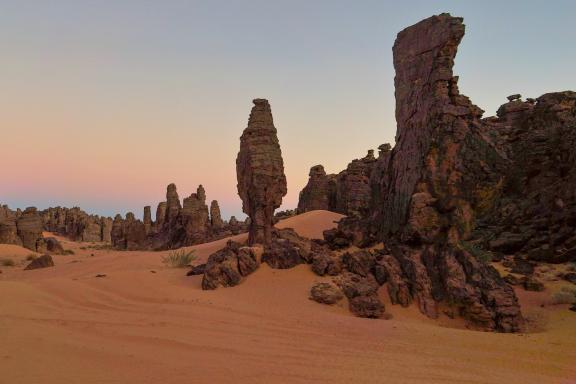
[
  {"x": 8, "y": 230},
  {"x": 260, "y": 172},
  {"x": 349, "y": 192},
  {"x": 194, "y": 217},
  {"x": 533, "y": 214},
  {"x": 319, "y": 193},
  {"x": 215, "y": 216},
  {"x": 76, "y": 224},
  {"x": 147, "y": 219},
  {"x": 428, "y": 192},
  {"x": 173, "y": 206},
  {"x": 29, "y": 228}
]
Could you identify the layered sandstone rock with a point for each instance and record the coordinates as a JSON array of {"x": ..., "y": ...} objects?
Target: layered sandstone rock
[
  {"x": 29, "y": 228},
  {"x": 173, "y": 205},
  {"x": 195, "y": 217},
  {"x": 160, "y": 215},
  {"x": 533, "y": 215},
  {"x": 427, "y": 192},
  {"x": 319, "y": 193},
  {"x": 349, "y": 192},
  {"x": 76, "y": 224},
  {"x": 260, "y": 172},
  {"x": 147, "y": 219},
  {"x": 8, "y": 230},
  {"x": 227, "y": 267},
  {"x": 215, "y": 217}
]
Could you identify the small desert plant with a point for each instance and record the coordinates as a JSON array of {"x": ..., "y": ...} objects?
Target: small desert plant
[
  {"x": 7, "y": 262},
  {"x": 566, "y": 295},
  {"x": 68, "y": 252},
  {"x": 179, "y": 259},
  {"x": 30, "y": 257}
]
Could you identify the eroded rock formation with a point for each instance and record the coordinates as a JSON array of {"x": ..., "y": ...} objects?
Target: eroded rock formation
[
  {"x": 76, "y": 224},
  {"x": 319, "y": 193},
  {"x": 215, "y": 217},
  {"x": 260, "y": 172},
  {"x": 428, "y": 192},
  {"x": 29, "y": 228}
]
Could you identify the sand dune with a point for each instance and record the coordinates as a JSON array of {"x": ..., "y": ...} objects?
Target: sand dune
[{"x": 145, "y": 323}]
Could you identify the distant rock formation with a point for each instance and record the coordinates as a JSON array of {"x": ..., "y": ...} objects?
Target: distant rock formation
[
  {"x": 8, "y": 229},
  {"x": 76, "y": 224},
  {"x": 260, "y": 172},
  {"x": 195, "y": 217},
  {"x": 177, "y": 225},
  {"x": 319, "y": 193},
  {"x": 147, "y": 219},
  {"x": 349, "y": 192},
  {"x": 215, "y": 217},
  {"x": 29, "y": 228}
]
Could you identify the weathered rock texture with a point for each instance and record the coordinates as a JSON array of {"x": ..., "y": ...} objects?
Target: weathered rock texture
[
  {"x": 260, "y": 172},
  {"x": 227, "y": 267},
  {"x": 8, "y": 229},
  {"x": 29, "y": 228},
  {"x": 427, "y": 194},
  {"x": 76, "y": 224},
  {"x": 319, "y": 193},
  {"x": 349, "y": 192},
  {"x": 215, "y": 217}
]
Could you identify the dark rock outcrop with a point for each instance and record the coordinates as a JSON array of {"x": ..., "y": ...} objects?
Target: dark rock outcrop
[
  {"x": 43, "y": 261},
  {"x": 260, "y": 172},
  {"x": 362, "y": 294},
  {"x": 428, "y": 192},
  {"x": 76, "y": 224},
  {"x": 147, "y": 219},
  {"x": 8, "y": 229},
  {"x": 29, "y": 228},
  {"x": 228, "y": 266},
  {"x": 215, "y": 217},
  {"x": 319, "y": 193}
]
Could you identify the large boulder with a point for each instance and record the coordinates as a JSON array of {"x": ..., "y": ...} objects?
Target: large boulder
[
  {"x": 43, "y": 261},
  {"x": 227, "y": 267},
  {"x": 326, "y": 293}
]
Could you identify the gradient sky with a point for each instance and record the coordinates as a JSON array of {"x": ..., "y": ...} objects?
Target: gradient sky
[{"x": 103, "y": 103}]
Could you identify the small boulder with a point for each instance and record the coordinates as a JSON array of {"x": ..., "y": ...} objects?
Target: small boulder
[
  {"x": 359, "y": 262},
  {"x": 326, "y": 263},
  {"x": 531, "y": 284},
  {"x": 53, "y": 246},
  {"x": 197, "y": 270},
  {"x": 43, "y": 261},
  {"x": 367, "y": 306},
  {"x": 325, "y": 293}
]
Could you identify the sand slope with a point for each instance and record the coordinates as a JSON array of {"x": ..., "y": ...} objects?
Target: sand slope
[{"x": 145, "y": 323}]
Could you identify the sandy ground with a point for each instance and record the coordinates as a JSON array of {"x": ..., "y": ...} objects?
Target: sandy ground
[{"x": 146, "y": 323}]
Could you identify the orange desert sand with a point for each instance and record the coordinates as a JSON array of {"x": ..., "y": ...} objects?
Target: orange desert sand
[{"x": 146, "y": 323}]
